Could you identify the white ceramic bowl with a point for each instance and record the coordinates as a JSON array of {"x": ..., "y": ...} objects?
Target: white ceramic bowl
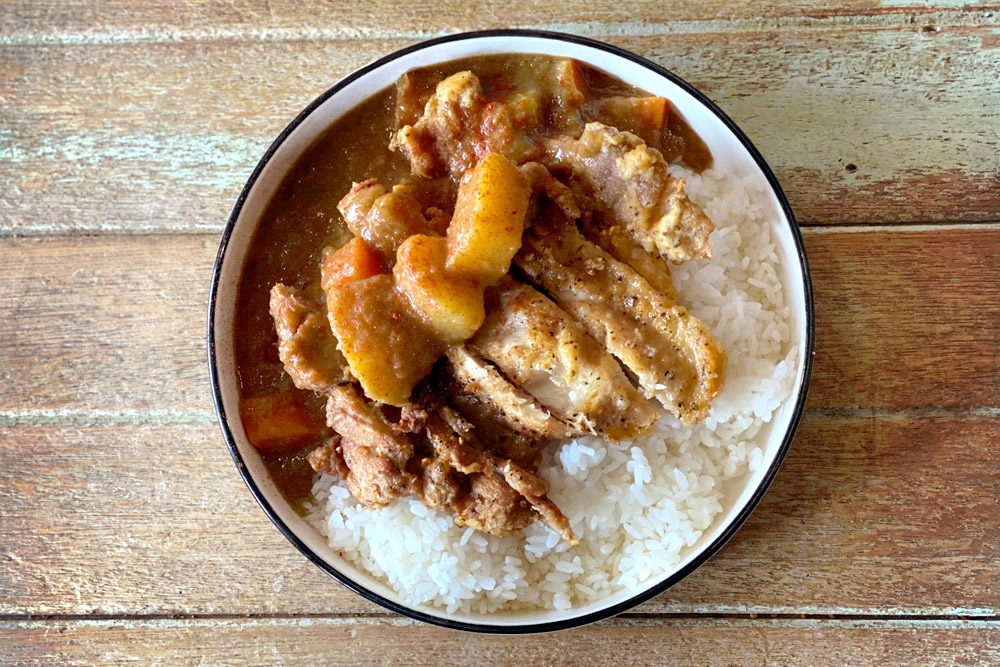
[{"x": 729, "y": 146}]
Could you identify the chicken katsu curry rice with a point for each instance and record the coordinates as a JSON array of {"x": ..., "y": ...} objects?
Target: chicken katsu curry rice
[{"x": 507, "y": 334}]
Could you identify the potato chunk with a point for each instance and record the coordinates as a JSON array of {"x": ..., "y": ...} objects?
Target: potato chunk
[
  {"x": 450, "y": 304},
  {"x": 485, "y": 231},
  {"x": 387, "y": 347}
]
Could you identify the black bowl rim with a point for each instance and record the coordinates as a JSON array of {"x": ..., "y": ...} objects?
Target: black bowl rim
[{"x": 708, "y": 552}]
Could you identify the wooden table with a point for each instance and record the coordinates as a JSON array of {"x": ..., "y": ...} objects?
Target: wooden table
[{"x": 126, "y": 535}]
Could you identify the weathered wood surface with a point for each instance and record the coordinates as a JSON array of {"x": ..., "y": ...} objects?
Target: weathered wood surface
[
  {"x": 721, "y": 642},
  {"x": 115, "y": 324},
  {"x": 107, "y": 424},
  {"x": 126, "y": 132},
  {"x": 162, "y": 20},
  {"x": 906, "y": 319},
  {"x": 877, "y": 515},
  {"x": 861, "y": 123},
  {"x": 105, "y": 324}
]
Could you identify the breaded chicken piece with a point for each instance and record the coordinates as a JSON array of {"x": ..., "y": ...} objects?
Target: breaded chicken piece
[
  {"x": 541, "y": 349},
  {"x": 630, "y": 185},
  {"x": 306, "y": 345},
  {"x": 502, "y": 496},
  {"x": 374, "y": 452},
  {"x": 671, "y": 353}
]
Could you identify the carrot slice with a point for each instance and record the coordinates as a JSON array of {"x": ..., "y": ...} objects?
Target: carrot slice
[
  {"x": 651, "y": 112},
  {"x": 572, "y": 85},
  {"x": 643, "y": 116},
  {"x": 277, "y": 422},
  {"x": 354, "y": 261}
]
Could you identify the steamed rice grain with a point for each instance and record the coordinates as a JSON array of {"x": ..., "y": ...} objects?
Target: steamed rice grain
[{"x": 638, "y": 506}]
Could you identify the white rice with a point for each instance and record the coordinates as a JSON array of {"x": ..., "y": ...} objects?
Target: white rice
[{"x": 637, "y": 507}]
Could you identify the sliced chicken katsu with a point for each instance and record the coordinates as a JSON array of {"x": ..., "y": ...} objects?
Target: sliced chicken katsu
[
  {"x": 631, "y": 187},
  {"x": 541, "y": 349},
  {"x": 453, "y": 441},
  {"x": 545, "y": 187},
  {"x": 670, "y": 352},
  {"x": 618, "y": 243},
  {"x": 614, "y": 239},
  {"x": 306, "y": 346},
  {"x": 511, "y": 404},
  {"x": 375, "y": 454}
]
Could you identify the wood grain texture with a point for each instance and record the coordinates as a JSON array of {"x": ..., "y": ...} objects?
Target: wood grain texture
[
  {"x": 126, "y": 133},
  {"x": 870, "y": 515},
  {"x": 105, "y": 326},
  {"x": 872, "y": 512},
  {"x": 708, "y": 643},
  {"x": 124, "y": 519},
  {"x": 114, "y": 325},
  {"x": 93, "y": 21},
  {"x": 174, "y": 129},
  {"x": 126, "y": 113},
  {"x": 906, "y": 318}
]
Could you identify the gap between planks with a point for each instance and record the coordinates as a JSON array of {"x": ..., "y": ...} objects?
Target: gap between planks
[
  {"x": 900, "y": 227},
  {"x": 932, "y": 21}
]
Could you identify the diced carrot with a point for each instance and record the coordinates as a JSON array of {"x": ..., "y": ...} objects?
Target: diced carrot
[
  {"x": 572, "y": 85},
  {"x": 354, "y": 261},
  {"x": 277, "y": 422},
  {"x": 643, "y": 116},
  {"x": 651, "y": 111}
]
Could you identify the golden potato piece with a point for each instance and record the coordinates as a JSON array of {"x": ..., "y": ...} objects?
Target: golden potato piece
[
  {"x": 386, "y": 346},
  {"x": 451, "y": 304},
  {"x": 485, "y": 231}
]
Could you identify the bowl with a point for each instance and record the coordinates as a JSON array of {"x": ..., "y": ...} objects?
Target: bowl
[{"x": 732, "y": 152}]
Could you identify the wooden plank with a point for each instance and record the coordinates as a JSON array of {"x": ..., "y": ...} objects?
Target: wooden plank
[
  {"x": 121, "y": 514},
  {"x": 879, "y": 138},
  {"x": 890, "y": 335},
  {"x": 363, "y": 642},
  {"x": 87, "y": 126},
  {"x": 88, "y": 20},
  {"x": 873, "y": 515},
  {"x": 124, "y": 519},
  {"x": 906, "y": 318},
  {"x": 105, "y": 325}
]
